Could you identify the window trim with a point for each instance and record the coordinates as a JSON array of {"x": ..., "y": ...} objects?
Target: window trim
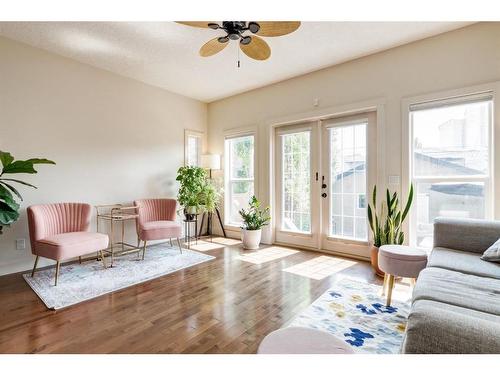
[
  {"x": 445, "y": 98},
  {"x": 227, "y": 170}
]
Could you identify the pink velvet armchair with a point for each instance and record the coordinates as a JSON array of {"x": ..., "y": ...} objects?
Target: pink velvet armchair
[
  {"x": 156, "y": 221},
  {"x": 60, "y": 231}
]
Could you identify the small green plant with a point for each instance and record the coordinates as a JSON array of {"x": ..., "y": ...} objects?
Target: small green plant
[
  {"x": 196, "y": 192},
  {"x": 387, "y": 227},
  {"x": 9, "y": 206},
  {"x": 254, "y": 218}
]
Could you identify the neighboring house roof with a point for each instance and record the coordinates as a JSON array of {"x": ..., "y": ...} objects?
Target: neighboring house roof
[
  {"x": 457, "y": 168},
  {"x": 473, "y": 190}
]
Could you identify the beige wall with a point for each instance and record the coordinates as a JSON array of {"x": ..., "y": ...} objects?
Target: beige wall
[
  {"x": 460, "y": 58},
  {"x": 114, "y": 139}
]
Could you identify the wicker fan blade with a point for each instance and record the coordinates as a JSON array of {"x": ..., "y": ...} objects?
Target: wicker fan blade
[
  {"x": 212, "y": 47},
  {"x": 277, "y": 28},
  {"x": 203, "y": 24},
  {"x": 257, "y": 49}
]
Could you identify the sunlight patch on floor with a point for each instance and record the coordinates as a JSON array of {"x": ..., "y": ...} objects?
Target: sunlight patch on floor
[
  {"x": 205, "y": 246},
  {"x": 267, "y": 255},
  {"x": 226, "y": 241},
  {"x": 320, "y": 267}
]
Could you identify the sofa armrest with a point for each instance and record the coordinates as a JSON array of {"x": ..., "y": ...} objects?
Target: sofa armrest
[{"x": 471, "y": 235}]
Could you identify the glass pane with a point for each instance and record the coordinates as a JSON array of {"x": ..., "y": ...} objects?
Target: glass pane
[
  {"x": 296, "y": 182},
  {"x": 455, "y": 199},
  {"x": 193, "y": 151},
  {"x": 451, "y": 140},
  {"x": 241, "y": 154},
  {"x": 241, "y": 192},
  {"x": 348, "y": 181}
]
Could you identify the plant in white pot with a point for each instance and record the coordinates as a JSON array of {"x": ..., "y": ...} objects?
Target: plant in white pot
[{"x": 254, "y": 218}]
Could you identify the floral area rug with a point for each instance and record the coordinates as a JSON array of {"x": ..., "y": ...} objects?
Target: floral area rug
[{"x": 356, "y": 313}]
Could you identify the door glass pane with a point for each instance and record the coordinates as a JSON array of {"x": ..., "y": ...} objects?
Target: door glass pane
[
  {"x": 348, "y": 181},
  {"x": 452, "y": 199},
  {"x": 451, "y": 140},
  {"x": 296, "y": 182}
]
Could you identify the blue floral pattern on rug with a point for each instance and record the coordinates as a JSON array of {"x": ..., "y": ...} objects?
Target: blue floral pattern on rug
[{"x": 356, "y": 312}]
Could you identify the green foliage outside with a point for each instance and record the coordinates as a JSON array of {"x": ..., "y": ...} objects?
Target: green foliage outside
[
  {"x": 255, "y": 218},
  {"x": 9, "y": 195}
]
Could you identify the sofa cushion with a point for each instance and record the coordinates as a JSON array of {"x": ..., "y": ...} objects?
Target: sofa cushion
[
  {"x": 68, "y": 245},
  {"x": 459, "y": 289},
  {"x": 435, "y": 327},
  {"x": 463, "y": 261}
]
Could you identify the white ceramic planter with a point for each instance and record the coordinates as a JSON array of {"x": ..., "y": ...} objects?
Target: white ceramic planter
[{"x": 251, "y": 238}]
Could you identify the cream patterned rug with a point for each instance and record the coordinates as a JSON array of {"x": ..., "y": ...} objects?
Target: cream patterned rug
[
  {"x": 356, "y": 313},
  {"x": 81, "y": 282}
]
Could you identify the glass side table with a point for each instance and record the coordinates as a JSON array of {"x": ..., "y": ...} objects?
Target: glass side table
[
  {"x": 116, "y": 214},
  {"x": 187, "y": 231}
]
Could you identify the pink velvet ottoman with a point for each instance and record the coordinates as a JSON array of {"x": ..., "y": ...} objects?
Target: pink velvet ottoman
[
  {"x": 302, "y": 340},
  {"x": 399, "y": 261}
]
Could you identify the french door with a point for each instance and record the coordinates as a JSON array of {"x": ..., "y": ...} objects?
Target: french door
[{"x": 324, "y": 172}]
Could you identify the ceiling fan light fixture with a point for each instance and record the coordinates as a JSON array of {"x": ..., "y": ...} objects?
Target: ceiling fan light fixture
[
  {"x": 234, "y": 36},
  {"x": 213, "y": 26},
  {"x": 223, "y": 39},
  {"x": 246, "y": 40},
  {"x": 254, "y": 27}
]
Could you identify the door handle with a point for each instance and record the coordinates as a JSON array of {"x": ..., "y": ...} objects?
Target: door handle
[
  {"x": 324, "y": 195},
  {"x": 323, "y": 185}
]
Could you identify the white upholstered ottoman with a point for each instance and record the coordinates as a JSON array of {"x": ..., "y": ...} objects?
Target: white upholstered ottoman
[
  {"x": 399, "y": 261},
  {"x": 302, "y": 340}
]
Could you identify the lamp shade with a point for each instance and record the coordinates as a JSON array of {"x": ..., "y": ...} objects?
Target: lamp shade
[{"x": 210, "y": 161}]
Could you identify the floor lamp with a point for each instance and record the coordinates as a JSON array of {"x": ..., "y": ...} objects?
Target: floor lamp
[{"x": 211, "y": 162}]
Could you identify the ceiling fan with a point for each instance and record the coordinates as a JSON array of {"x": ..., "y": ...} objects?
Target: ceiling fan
[{"x": 250, "y": 43}]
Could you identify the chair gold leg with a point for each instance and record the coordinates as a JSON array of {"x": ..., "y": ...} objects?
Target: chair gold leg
[
  {"x": 34, "y": 266},
  {"x": 144, "y": 250},
  {"x": 58, "y": 264},
  {"x": 171, "y": 244},
  {"x": 80, "y": 260},
  {"x": 179, "y": 243},
  {"x": 390, "y": 286},
  {"x": 103, "y": 261}
]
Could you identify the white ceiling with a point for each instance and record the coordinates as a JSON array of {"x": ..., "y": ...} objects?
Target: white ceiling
[{"x": 165, "y": 54}]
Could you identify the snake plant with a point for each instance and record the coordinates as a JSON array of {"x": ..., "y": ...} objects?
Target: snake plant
[
  {"x": 9, "y": 206},
  {"x": 387, "y": 226}
]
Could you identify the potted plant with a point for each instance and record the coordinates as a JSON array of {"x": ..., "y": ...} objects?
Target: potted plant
[
  {"x": 386, "y": 225},
  {"x": 9, "y": 206},
  {"x": 196, "y": 192},
  {"x": 253, "y": 220}
]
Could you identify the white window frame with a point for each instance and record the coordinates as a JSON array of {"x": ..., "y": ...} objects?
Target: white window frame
[
  {"x": 193, "y": 134},
  {"x": 492, "y": 183},
  {"x": 228, "y": 180}
]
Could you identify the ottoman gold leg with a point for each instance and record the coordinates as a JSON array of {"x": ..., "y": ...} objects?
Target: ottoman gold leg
[
  {"x": 384, "y": 285},
  {"x": 390, "y": 286}
]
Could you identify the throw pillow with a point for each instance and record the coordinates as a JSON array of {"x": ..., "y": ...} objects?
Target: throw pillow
[{"x": 492, "y": 254}]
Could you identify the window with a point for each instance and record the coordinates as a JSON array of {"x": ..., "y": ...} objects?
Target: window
[
  {"x": 192, "y": 148},
  {"x": 450, "y": 162},
  {"x": 296, "y": 182},
  {"x": 239, "y": 176},
  {"x": 348, "y": 181}
]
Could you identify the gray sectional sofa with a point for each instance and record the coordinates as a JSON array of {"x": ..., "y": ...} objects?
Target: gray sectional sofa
[{"x": 456, "y": 301}]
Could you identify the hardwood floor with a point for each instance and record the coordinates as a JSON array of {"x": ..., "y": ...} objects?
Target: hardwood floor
[{"x": 226, "y": 305}]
